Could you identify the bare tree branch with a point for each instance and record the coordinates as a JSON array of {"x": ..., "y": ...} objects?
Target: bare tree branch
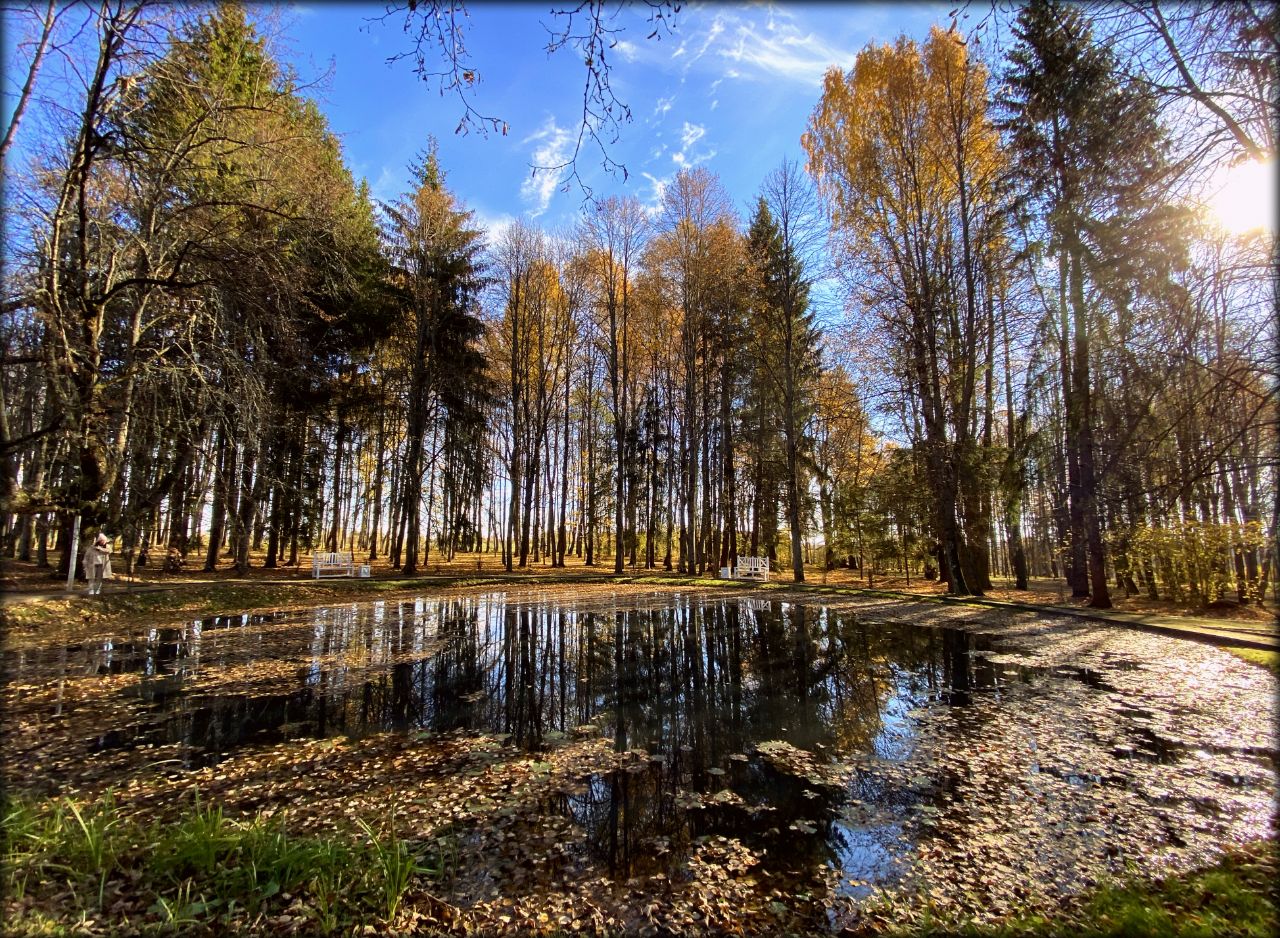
[{"x": 590, "y": 30}]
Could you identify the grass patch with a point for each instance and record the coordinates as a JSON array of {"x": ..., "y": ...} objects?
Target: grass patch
[
  {"x": 1263, "y": 659},
  {"x": 1236, "y": 896},
  {"x": 68, "y": 862}
]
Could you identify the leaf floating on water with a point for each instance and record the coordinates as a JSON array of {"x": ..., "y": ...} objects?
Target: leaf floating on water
[
  {"x": 726, "y": 797},
  {"x": 531, "y": 866},
  {"x": 688, "y": 800}
]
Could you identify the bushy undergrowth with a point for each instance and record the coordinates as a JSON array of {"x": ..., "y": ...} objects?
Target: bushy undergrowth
[{"x": 68, "y": 862}]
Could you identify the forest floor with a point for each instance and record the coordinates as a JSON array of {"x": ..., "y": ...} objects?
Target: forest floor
[
  {"x": 20, "y": 579},
  {"x": 1070, "y": 798},
  {"x": 1252, "y": 630}
]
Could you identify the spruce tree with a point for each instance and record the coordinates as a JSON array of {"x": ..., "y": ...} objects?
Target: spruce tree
[{"x": 1085, "y": 147}]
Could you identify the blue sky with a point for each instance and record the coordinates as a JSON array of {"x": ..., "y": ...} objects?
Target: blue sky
[{"x": 731, "y": 88}]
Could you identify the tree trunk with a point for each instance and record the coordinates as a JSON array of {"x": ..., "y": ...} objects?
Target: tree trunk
[
  {"x": 1088, "y": 485},
  {"x": 225, "y": 470}
]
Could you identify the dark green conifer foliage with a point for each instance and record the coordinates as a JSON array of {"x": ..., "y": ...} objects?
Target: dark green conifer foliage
[
  {"x": 787, "y": 366},
  {"x": 1089, "y": 155},
  {"x": 439, "y": 273}
]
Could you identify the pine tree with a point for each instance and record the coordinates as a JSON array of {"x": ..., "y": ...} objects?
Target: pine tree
[
  {"x": 787, "y": 344},
  {"x": 436, "y": 255},
  {"x": 1085, "y": 144}
]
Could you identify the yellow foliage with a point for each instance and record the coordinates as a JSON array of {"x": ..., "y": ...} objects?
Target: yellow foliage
[
  {"x": 892, "y": 140},
  {"x": 847, "y": 449},
  {"x": 1194, "y": 555}
]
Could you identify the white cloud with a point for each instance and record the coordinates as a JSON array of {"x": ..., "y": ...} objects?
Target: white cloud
[
  {"x": 494, "y": 226},
  {"x": 785, "y": 51},
  {"x": 554, "y": 147},
  {"x": 688, "y": 161},
  {"x": 663, "y": 106},
  {"x": 691, "y": 134},
  {"x": 765, "y": 42},
  {"x": 626, "y": 50},
  {"x": 389, "y": 185},
  {"x": 714, "y": 33},
  {"x": 777, "y": 13},
  {"x": 657, "y": 188}
]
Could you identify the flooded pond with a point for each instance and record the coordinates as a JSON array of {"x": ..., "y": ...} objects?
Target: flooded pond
[{"x": 837, "y": 750}]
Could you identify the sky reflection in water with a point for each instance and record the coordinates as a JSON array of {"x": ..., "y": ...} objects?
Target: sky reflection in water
[{"x": 819, "y": 739}]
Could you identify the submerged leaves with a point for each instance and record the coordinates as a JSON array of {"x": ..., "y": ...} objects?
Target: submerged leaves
[{"x": 907, "y": 761}]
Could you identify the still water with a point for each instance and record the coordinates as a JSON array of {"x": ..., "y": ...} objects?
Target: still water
[{"x": 814, "y": 736}]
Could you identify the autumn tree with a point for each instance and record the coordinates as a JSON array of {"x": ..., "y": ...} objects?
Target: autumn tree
[
  {"x": 785, "y": 233},
  {"x": 903, "y": 151},
  {"x": 1088, "y": 151},
  {"x": 698, "y": 242},
  {"x": 156, "y": 236},
  {"x": 612, "y": 233}
]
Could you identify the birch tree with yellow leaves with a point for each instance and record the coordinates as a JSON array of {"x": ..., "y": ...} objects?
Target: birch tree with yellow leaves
[{"x": 904, "y": 152}]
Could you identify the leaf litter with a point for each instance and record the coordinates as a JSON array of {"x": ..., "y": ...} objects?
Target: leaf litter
[{"x": 672, "y": 761}]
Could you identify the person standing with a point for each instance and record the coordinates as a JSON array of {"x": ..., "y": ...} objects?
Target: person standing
[{"x": 97, "y": 564}]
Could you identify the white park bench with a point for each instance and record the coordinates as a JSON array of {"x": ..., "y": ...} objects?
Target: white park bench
[
  {"x": 752, "y": 568},
  {"x": 332, "y": 563}
]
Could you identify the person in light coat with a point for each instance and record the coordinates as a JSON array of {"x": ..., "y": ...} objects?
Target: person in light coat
[{"x": 97, "y": 564}]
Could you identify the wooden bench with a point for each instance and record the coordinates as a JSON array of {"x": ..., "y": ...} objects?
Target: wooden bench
[
  {"x": 332, "y": 563},
  {"x": 752, "y": 568}
]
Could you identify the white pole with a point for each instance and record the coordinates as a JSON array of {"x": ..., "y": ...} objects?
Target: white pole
[{"x": 75, "y": 548}]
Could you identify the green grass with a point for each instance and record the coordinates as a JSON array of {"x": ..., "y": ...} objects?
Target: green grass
[
  {"x": 1236, "y": 896},
  {"x": 67, "y": 862},
  {"x": 1263, "y": 659}
]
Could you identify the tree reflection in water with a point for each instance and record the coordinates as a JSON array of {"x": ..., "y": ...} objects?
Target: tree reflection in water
[
  {"x": 804, "y": 739},
  {"x": 697, "y": 685}
]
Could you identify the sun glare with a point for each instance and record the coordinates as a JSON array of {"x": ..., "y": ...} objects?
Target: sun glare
[{"x": 1243, "y": 198}]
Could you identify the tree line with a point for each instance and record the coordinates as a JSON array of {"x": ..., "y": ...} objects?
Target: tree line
[{"x": 221, "y": 348}]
